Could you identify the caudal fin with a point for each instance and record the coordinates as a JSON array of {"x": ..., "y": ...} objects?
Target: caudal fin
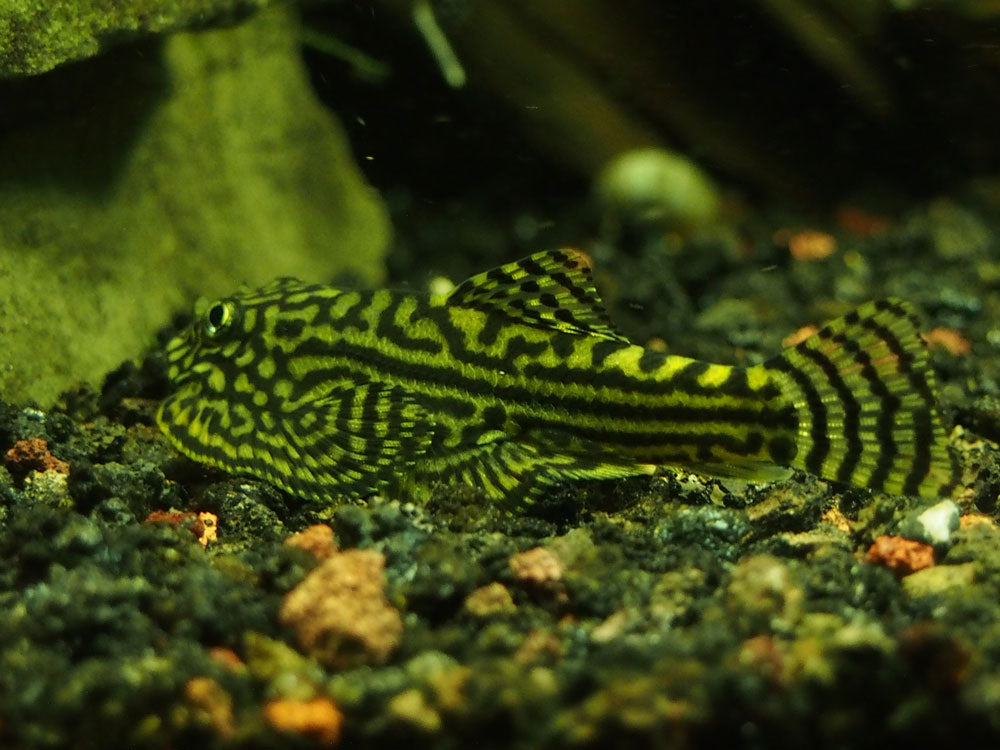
[{"x": 865, "y": 399}]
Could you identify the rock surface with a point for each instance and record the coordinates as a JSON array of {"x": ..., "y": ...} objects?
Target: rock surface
[
  {"x": 177, "y": 171},
  {"x": 36, "y": 37}
]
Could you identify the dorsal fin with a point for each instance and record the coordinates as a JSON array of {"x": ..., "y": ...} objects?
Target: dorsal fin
[{"x": 552, "y": 289}]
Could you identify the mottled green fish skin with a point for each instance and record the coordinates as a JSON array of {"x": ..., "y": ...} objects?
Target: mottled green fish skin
[{"x": 516, "y": 381}]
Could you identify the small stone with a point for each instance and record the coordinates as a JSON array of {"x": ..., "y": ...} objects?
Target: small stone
[
  {"x": 449, "y": 687},
  {"x": 226, "y": 657},
  {"x": 538, "y": 644},
  {"x": 213, "y": 703},
  {"x": 836, "y": 518},
  {"x": 612, "y": 627},
  {"x": 491, "y": 600},
  {"x": 49, "y": 487},
  {"x": 318, "y": 719},
  {"x": 940, "y": 521},
  {"x": 413, "y": 708},
  {"x": 674, "y": 593},
  {"x": 339, "y": 611},
  {"x": 33, "y": 455},
  {"x": 203, "y": 525},
  {"x": 811, "y": 244},
  {"x": 977, "y": 520},
  {"x": 901, "y": 556},
  {"x": 935, "y": 525},
  {"x": 810, "y": 541},
  {"x": 317, "y": 540},
  {"x": 537, "y": 566},
  {"x": 862, "y": 633},
  {"x": 207, "y": 528},
  {"x": 763, "y": 585},
  {"x": 286, "y": 672},
  {"x": 948, "y": 339},
  {"x": 939, "y": 578}
]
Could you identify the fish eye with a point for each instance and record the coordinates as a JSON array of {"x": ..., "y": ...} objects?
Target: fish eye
[{"x": 218, "y": 318}]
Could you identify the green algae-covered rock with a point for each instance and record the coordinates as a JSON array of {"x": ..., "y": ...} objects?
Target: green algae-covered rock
[
  {"x": 37, "y": 36},
  {"x": 157, "y": 174}
]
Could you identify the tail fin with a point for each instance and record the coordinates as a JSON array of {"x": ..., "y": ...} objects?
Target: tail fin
[{"x": 864, "y": 396}]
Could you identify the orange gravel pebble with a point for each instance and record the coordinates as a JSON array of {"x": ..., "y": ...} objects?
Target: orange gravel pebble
[
  {"x": 318, "y": 718},
  {"x": 339, "y": 611},
  {"x": 798, "y": 336},
  {"x": 971, "y": 520},
  {"x": 900, "y": 555},
  {"x": 226, "y": 657},
  {"x": 209, "y": 528},
  {"x": 537, "y": 565},
  {"x": 213, "y": 702},
  {"x": 317, "y": 540},
  {"x": 838, "y": 519},
  {"x": 33, "y": 455},
  {"x": 203, "y": 525},
  {"x": 808, "y": 244},
  {"x": 948, "y": 339}
]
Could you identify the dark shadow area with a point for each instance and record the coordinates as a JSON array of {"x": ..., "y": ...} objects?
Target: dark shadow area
[
  {"x": 725, "y": 84},
  {"x": 76, "y": 125}
]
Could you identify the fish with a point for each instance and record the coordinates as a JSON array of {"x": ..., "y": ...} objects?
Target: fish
[{"x": 517, "y": 381}]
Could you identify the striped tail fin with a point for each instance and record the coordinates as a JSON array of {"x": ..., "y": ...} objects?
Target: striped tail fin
[{"x": 864, "y": 394}]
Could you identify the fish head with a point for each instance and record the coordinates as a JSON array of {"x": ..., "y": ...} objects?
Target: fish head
[
  {"x": 240, "y": 332},
  {"x": 227, "y": 366}
]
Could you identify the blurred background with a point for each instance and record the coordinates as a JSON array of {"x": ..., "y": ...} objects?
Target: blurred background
[
  {"x": 783, "y": 101},
  {"x": 735, "y": 169}
]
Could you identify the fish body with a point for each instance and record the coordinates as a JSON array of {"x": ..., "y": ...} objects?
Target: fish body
[{"x": 517, "y": 380}]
